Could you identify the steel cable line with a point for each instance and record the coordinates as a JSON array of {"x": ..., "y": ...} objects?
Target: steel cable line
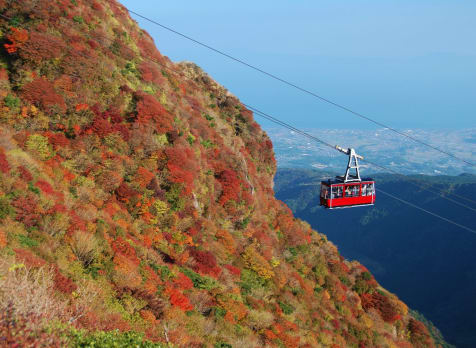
[
  {"x": 442, "y": 194},
  {"x": 414, "y": 182},
  {"x": 272, "y": 119},
  {"x": 279, "y": 122},
  {"x": 304, "y": 90},
  {"x": 426, "y": 211},
  {"x": 309, "y": 92}
]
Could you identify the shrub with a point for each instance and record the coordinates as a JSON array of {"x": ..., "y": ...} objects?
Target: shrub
[
  {"x": 5, "y": 208},
  {"x": 17, "y": 38},
  {"x": 27, "y": 241},
  {"x": 42, "y": 93},
  {"x": 56, "y": 224},
  {"x": 199, "y": 282},
  {"x": 62, "y": 283},
  {"x": 3, "y": 239},
  {"x": 257, "y": 263},
  {"x": 419, "y": 334},
  {"x": 149, "y": 109},
  {"x": 11, "y": 101},
  {"x": 26, "y": 331},
  {"x": 183, "y": 282},
  {"x": 26, "y": 210},
  {"x": 251, "y": 280},
  {"x": 42, "y": 46},
  {"x": 150, "y": 73},
  {"x": 84, "y": 246},
  {"x": 28, "y": 258},
  {"x": 179, "y": 300},
  {"x": 110, "y": 339},
  {"x": 260, "y": 320},
  {"x": 173, "y": 197},
  {"x": 206, "y": 262},
  {"x": 28, "y": 292},
  {"x": 286, "y": 308},
  {"x": 40, "y": 145}
]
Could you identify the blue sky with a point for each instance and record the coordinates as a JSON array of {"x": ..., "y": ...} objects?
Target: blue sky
[{"x": 408, "y": 64}]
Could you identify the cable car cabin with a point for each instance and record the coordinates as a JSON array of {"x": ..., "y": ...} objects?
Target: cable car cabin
[
  {"x": 348, "y": 190},
  {"x": 337, "y": 194}
]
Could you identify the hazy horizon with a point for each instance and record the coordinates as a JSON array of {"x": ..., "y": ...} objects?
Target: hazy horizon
[{"x": 405, "y": 64}]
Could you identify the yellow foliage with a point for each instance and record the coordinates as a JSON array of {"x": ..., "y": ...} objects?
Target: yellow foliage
[
  {"x": 257, "y": 263},
  {"x": 160, "y": 207},
  {"x": 163, "y": 98},
  {"x": 40, "y": 145},
  {"x": 367, "y": 321},
  {"x": 275, "y": 262}
]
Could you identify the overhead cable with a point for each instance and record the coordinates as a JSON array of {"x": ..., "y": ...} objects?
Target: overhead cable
[
  {"x": 426, "y": 211},
  {"x": 304, "y": 90},
  {"x": 284, "y": 124}
]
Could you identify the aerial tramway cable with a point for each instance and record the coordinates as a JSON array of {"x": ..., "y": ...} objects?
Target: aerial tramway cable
[
  {"x": 304, "y": 90},
  {"x": 314, "y": 138},
  {"x": 275, "y": 120},
  {"x": 427, "y": 211}
]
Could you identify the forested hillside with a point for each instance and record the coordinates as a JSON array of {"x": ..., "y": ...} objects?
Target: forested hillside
[
  {"x": 136, "y": 195},
  {"x": 427, "y": 262}
]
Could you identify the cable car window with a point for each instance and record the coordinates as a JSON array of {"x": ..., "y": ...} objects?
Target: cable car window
[
  {"x": 352, "y": 191},
  {"x": 324, "y": 191},
  {"x": 337, "y": 192},
  {"x": 371, "y": 189},
  {"x": 367, "y": 189}
]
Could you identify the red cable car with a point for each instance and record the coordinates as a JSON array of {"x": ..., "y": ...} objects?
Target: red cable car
[{"x": 349, "y": 190}]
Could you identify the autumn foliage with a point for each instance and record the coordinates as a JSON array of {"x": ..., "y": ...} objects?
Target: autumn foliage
[{"x": 145, "y": 189}]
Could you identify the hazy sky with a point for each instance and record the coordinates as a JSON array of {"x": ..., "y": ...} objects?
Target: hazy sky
[{"x": 406, "y": 63}]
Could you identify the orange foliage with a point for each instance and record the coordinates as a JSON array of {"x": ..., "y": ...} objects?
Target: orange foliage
[
  {"x": 3, "y": 239},
  {"x": 178, "y": 299},
  {"x": 120, "y": 246},
  {"x": 17, "y": 38},
  {"x": 81, "y": 107},
  {"x": 235, "y": 310},
  {"x": 183, "y": 282},
  {"x": 148, "y": 316},
  {"x": 143, "y": 177},
  {"x": 126, "y": 269},
  {"x": 227, "y": 239}
]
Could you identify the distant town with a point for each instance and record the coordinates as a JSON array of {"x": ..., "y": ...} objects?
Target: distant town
[{"x": 380, "y": 146}]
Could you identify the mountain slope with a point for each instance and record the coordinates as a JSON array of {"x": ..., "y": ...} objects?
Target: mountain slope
[
  {"x": 429, "y": 263},
  {"x": 136, "y": 194}
]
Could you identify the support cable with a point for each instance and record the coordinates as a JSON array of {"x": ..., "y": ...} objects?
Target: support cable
[
  {"x": 286, "y": 125},
  {"x": 304, "y": 90},
  {"x": 427, "y": 211}
]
